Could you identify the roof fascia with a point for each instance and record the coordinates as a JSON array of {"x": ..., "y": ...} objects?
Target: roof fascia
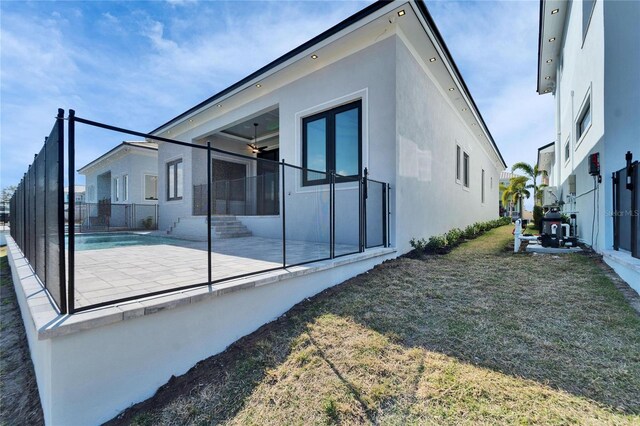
[{"x": 356, "y": 17}]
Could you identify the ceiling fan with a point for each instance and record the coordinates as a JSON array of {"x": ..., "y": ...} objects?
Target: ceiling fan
[{"x": 254, "y": 146}]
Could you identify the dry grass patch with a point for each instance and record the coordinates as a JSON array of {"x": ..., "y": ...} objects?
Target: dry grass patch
[
  {"x": 19, "y": 400},
  {"x": 478, "y": 336}
]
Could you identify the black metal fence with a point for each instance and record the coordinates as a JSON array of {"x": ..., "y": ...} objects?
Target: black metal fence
[
  {"x": 298, "y": 224},
  {"x": 107, "y": 216},
  {"x": 249, "y": 196},
  {"x": 37, "y": 215},
  {"x": 626, "y": 208}
]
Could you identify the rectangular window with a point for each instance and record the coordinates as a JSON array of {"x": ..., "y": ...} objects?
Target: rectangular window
[
  {"x": 174, "y": 180},
  {"x": 587, "y": 11},
  {"x": 585, "y": 119},
  {"x": 150, "y": 187},
  {"x": 125, "y": 187},
  {"x": 457, "y": 162},
  {"x": 482, "y": 187},
  {"x": 465, "y": 170},
  {"x": 116, "y": 189},
  {"x": 567, "y": 151},
  {"x": 332, "y": 140}
]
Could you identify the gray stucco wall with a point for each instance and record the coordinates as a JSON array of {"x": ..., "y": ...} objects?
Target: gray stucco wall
[
  {"x": 429, "y": 199},
  {"x": 368, "y": 75}
]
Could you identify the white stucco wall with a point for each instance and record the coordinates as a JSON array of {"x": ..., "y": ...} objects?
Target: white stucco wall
[
  {"x": 368, "y": 74},
  {"x": 113, "y": 357},
  {"x": 605, "y": 65},
  {"x": 429, "y": 201},
  {"x": 136, "y": 164}
]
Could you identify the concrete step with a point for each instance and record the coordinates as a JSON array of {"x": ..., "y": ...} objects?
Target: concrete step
[{"x": 237, "y": 234}]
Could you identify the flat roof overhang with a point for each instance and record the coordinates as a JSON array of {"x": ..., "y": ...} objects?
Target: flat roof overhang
[
  {"x": 553, "y": 14},
  {"x": 377, "y": 21},
  {"x": 546, "y": 156}
]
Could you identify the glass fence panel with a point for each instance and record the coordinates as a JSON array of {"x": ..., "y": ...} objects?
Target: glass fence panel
[
  {"x": 347, "y": 216},
  {"x": 307, "y": 213},
  {"x": 375, "y": 203}
]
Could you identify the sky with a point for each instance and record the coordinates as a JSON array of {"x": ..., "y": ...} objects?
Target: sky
[{"x": 137, "y": 64}]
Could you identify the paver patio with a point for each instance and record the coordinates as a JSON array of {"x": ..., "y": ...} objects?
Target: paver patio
[{"x": 114, "y": 273}]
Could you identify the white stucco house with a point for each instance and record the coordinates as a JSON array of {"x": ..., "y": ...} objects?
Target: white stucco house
[
  {"x": 378, "y": 91},
  {"x": 589, "y": 61},
  {"x": 124, "y": 178}
]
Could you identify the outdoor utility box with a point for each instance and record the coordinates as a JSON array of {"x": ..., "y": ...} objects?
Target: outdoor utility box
[
  {"x": 572, "y": 184},
  {"x": 548, "y": 238},
  {"x": 594, "y": 164}
]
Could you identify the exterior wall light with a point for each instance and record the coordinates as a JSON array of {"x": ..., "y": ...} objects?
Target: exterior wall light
[
  {"x": 314, "y": 56},
  {"x": 432, "y": 60},
  {"x": 554, "y": 11},
  {"x": 401, "y": 13}
]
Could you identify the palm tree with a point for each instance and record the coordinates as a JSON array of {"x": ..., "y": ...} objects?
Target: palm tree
[
  {"x": 515, "y": 192},
  {"x": 532, "y": 173}
]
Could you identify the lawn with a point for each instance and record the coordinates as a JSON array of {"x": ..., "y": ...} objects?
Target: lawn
[
  {"x": 478, "y": 336},
  {"x": 19, "y": 403}
]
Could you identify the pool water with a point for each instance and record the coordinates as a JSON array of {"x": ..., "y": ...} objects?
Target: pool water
[{"x": 105, "y": 241}]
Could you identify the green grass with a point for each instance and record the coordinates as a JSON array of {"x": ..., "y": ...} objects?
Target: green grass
[{"x": 478, "y": 336}]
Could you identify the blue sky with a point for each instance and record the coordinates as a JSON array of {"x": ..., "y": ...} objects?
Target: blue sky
[{"x": 137, "y": 64}]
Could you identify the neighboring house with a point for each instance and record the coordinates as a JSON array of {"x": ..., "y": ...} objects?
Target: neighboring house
[
  {"x": 79, "y": 194},
  {"x": 378, "y": 91},
  {"x": 125, "y": 180},
  {"x": 589, "y": 60},
  {"x": 511, "y": 209}
]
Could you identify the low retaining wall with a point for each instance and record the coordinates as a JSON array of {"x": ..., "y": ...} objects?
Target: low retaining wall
[{"x": 92, "y": 365}]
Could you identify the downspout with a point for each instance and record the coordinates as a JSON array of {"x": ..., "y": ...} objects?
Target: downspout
[{"x": 574, "y": 201}]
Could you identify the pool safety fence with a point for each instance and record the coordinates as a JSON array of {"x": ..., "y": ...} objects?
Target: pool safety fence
[{"x": 302, "y": 222}]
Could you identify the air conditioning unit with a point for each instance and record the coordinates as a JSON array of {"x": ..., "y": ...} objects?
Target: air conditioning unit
[{"x": 550, "y": 196}]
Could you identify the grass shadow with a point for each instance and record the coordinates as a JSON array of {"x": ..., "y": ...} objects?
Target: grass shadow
[{"x": 477, "y": 335}]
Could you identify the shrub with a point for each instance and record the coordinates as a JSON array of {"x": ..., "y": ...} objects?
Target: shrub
[
  {"x": 538, "y": 214},
  {"x": 437, "y": 242},
  {"x": 452, "y": 238},
  {"x": 147, "y": 222}
]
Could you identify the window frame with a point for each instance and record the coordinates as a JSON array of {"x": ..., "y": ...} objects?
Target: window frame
[
  {"x": 330, "y": 148},
  {"x": 458, "y": 164},
  {"x": 567, "y": 151},
  {"x": 584, "y": 108},
  {"x": 116, "y": 189},
  {"x": 125, "y": 188},
  {"x": 482, "y": 189},
  {"x": 586, "y": 21},
  {"x": 144, "y": 194},
  {"x": 175, "y": 179},
  {"x": 466, "y": 167}
]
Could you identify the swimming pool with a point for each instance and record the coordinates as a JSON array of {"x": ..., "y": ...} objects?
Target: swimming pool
[{"x": 105, "y": 241}]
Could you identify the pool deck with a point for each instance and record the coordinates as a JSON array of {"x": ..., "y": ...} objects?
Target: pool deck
[{"x": 108, "y": 274}]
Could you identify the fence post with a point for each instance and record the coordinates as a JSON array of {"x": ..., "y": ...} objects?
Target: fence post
[
  {"x": 209, "y": 210},
  {"x": 284, "y": 220},
  {"x": 364, "y": 194},
  {"x": 71, "y": 221},
  {"x": 385, "y": 239},
  {"x": 332, "y": 214},
  {"x": 614, "y": 216}
]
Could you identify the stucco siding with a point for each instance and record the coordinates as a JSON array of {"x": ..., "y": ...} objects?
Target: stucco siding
[{"x": 429, "y": 199}]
